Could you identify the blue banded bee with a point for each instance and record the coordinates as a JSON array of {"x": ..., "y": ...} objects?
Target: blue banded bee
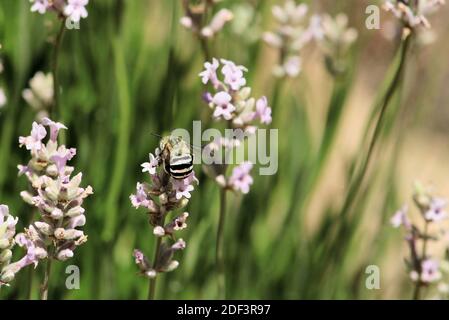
[{"x": 176, "y": 156}]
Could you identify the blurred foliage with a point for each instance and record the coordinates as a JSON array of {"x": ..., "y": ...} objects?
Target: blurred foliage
[{"x": 131, "y": 70}]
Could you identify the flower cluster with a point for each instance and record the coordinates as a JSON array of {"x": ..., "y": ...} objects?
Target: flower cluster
[
  {"x": 73, "y": 9},
  {"x": 240, "y": 179},
  {"x": 231, "y": 100},
  {"x": 335, "y": 40},
  {"x": 40, "y": 93},
  {"x": 57, "y": 195},
  {"x": 195, "y": 19},
  {"x": 295, "y": 29},
  {"x": 7, "y": 233},
  {"x": 161, "y": 196},
  {"x": 423, "y": 269},
  {"x": 413, "y": 13}
]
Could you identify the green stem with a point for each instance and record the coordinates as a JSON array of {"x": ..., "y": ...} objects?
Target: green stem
[
  {"x": 44, "y": 287},
  {"x": 219, "y": 246},
  {"x": 152, "y": 282},
  {"x": 55, "y": 64},
  {"x": 360, "y": 175}
]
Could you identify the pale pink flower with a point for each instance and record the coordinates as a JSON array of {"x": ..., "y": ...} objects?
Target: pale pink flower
[
  {"x": 430, "y": 271},
  {"x": 150, "y": 166},
  {"x": 182, "y": 189},
  {"x": 241, "y": 179},
  {"x": 54, "y": 128},
  {"x": 400, "y": 218},
  {"x": 210, "y": 73},
  {"x": 40, "y": 6},
  {"x": 34, "y": 141},
  {"x": 223, "y": 106},
  {"x": 436, "y": 210},
  {"x": 263, "y": 111},
  {"x": 76, "y": 10},
  {"x": 233, "y": 74},
  {"x": 140, "y": 198}
]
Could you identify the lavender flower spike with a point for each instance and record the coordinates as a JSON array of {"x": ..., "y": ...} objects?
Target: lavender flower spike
[
  {"x": 163, "y": 194},
  {"x": 56, "y": 194},
  {"x": 7, "y": 232}
]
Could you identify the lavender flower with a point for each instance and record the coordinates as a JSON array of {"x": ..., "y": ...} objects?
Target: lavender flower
[
  {"x": 429, "y": 272},
  {"x": 195, "y": 19},
  {"x": 423, "y": 269},
  {"x": 336, "y": 39},
  {"x": 239, "y": 181},
  {"x": 57, "y": 195},
  {"x": 231, "y": 100},
  {"x": 293, "y": 32},
  {"x": 40, "y": 94},
  {"x": 7, "y": 232},
  {"x": 72, "y": 9},
  {"x": 232, "y": 103},
  {"x": 162, "y": 195},
  {"x": 413, "y": 13},
  {"x": 76, "y": 10},
  {"x": 400, "y": 218}
]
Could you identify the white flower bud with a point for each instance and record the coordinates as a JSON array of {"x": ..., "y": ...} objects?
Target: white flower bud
[
  {"x": 27, "y": 197},
  {"x": 57, "y": 214},
  {"x": 7, "y": 276},
  {"x": 65, "y": 254},
  {"x": 151, "y": 274},
  {"x": 172, "y": 266},
  {"x": 5, "y": 256},
  {"x": 158, "y": 231},
  {"x": 44, "y": 227},
  {"x": 4, "y": 243},
  {"x": 76, "y": 211}
]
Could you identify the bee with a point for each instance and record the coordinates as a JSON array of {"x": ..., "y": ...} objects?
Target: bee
[{"x": 176, "y": 156}]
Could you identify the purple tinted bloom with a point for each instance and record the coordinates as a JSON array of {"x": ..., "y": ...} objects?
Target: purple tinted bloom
[
  {"x": 241, "y": 179},
  {"x": 138, "y": 256},
  {"x": 151, "y": 166},
  {"x": 400, "y": 218},
  {"x": 223, "y": 106},
  {"x": 61, "y": 159},
  {"x": 430, "y": 271},
  {"x": 436, "y": 210},
  {"x": 179, "y": 245},
  {"x": 207, "y": 97},
  {"x": 210, "y": 73},
  {"x": 140, "y": 199},
  {"x": 263, "y": 111},
  {"x": 182, "y": 189},
  {"x": 54, "y": 128},
  {"x": 233, "y": 74},
  {"x": 76, "y": 10},
  {"x": 40, "y": 6},
  {"x": 34, "y": 141}
]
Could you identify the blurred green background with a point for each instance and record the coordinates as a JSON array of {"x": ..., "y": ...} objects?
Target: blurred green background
[{"x": 131, "y": 70}]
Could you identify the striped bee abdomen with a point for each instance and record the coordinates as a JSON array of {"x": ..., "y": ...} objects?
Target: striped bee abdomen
[{"x": 181, "y": 166}]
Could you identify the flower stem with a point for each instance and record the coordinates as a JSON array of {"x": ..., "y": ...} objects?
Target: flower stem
[
  {"x": 355, "y": 186},
  {"x": 417, "y": 291},
  {"x": 219, "y": 246},
  {"x": 152, "y": 282},
  {"x": 44, "y": 287},
  {"x": 55, "y": 63}
]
